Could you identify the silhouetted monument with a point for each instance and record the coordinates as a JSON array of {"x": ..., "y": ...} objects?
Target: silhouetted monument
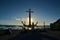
[{"x": 30, "y": 25}]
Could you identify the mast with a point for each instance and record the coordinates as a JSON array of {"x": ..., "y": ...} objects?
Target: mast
[{"x": 44, "y": 25}]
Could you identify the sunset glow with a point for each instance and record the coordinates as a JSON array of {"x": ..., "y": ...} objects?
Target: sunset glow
[{"x": 27, "y": 20}]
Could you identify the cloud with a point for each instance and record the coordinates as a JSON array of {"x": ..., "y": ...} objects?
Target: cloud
[{"x": 18, "y": 19}]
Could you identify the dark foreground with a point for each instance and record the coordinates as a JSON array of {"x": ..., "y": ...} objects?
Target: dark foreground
[
  {"x": 49, "y": 35},
  {"x": 35, "y": 36}
]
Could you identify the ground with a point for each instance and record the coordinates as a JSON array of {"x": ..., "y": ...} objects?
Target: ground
[{"x": 48, "y": 35}]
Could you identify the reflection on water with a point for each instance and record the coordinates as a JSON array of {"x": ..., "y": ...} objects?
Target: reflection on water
[
  {"x": 20, "y": 28},
  {"x": 13, "y": 28}
]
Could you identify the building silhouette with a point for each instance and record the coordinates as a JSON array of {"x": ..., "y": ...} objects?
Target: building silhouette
[{"x": 55, "y": 25}]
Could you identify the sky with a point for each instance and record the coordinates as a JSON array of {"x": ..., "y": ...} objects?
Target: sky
[{"x": 14, "y": 11}]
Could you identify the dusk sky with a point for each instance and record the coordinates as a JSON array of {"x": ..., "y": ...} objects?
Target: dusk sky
[{"x": 14, "y": 11}]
